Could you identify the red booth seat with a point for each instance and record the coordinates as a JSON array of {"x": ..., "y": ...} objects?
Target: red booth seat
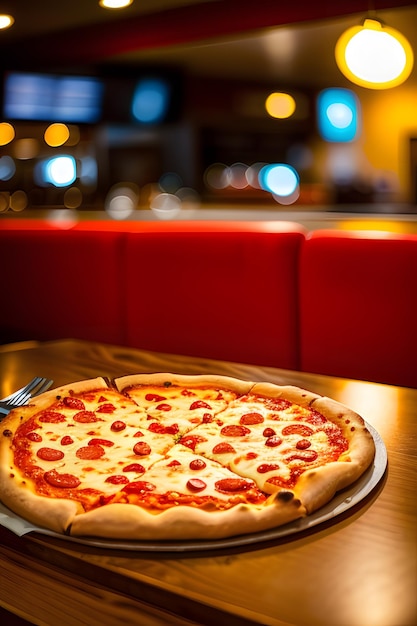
[
  {"x": 358, "y": 306},
  {"x": 223, "y": 291},
  {"x": 60, "y": 283}
]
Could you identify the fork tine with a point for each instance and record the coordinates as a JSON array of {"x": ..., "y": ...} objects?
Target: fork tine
[
  {"x": 43, "y": 387},
  {"x": 17, "y": 398},
  {"x": 16, "y": 393}
]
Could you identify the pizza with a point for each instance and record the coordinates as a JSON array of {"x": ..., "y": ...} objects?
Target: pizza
[{"x": 173, "y": 457}]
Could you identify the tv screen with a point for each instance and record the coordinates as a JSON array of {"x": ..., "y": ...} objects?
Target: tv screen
[{"x": 47, "y": 97}]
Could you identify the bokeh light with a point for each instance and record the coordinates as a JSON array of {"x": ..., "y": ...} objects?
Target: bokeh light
[
  {"x": 150, "y": 100},
  {"x": 56, "y": 134},
  {"x": 7, "y": 133},
  {"x": 280, "y": 105},
  {"x": 18, "y": 200},
  {"x": 280, "y": 179},
  {"x": 60, "y": 171},
  {"x": 237, "y": 176},
  {"x": 73, "y": 198},
  {"x": 170, "y": 182},
  {"x": 27, "y": 148},
  {"x": 7, "y": 168},
  {"x": 121, "y": 200},
  {"x": 337, "y": 113},
  {"x": 166, "y": 206},
  {"x": 217, "y": 176}
]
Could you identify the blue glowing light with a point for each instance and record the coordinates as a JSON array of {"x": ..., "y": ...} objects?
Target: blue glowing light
[
  {"x": 150, "y": 101},
  {"x": 59, "y": 171},
  {"x": 337, "y": 113},
  {"x": 279, "y": 178}
]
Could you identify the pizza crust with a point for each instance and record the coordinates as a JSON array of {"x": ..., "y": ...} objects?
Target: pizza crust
[
  {"x": 209, "y": 380},
  {"x": 181, "y": 523}
]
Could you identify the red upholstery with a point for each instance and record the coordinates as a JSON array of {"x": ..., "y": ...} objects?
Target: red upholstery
[
  {"x": 220, "y": 291},
  {"x": 61, "y": 283},
  {"x": 358, "y": 306}
]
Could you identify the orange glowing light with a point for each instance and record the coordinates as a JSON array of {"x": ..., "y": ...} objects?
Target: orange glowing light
[{"x": 280, "y": 105}]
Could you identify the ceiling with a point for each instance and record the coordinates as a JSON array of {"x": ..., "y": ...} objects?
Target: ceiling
[{"x": 291, "y": 42}]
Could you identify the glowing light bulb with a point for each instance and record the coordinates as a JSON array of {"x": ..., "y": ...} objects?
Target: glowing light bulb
[
  {"x": 115, "y": 4},
  {"x": 374, "y": 55},
  {"x": 6, "y": 21}
]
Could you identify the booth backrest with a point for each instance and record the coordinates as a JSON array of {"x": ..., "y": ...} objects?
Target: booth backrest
[
  {"x": 228, "y": 294},
  {"x": 60, "y": 283},
  {"x": 358, "y": 306}
]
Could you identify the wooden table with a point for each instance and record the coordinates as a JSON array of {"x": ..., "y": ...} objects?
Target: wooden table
[{"x": 358, "y": 570}]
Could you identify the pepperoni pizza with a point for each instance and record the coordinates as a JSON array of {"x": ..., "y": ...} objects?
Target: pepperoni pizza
[{"x": 165, "y": 456}]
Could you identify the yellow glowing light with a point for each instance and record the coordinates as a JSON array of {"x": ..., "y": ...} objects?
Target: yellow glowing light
[
  {"x": 56, "y": 135},
  {"x": 7, "y": 133},
  {"x": 6, "y": 21},
  {"x": 280, "y": 105},
  {"x": 374, "y": 55},
  {"x": 115, "y": 4}
]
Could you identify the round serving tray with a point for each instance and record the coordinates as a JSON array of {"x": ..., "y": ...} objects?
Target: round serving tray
[{"x": 340, "y": 504}]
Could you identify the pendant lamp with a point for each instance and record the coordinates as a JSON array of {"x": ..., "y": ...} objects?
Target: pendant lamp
[{"x": 374, "y": 55}]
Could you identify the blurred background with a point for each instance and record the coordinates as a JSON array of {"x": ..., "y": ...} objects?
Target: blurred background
[{"x": 176, "y": 105}]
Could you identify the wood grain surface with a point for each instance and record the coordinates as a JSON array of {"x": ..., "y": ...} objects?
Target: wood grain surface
[{"x": 359, "y": 569}]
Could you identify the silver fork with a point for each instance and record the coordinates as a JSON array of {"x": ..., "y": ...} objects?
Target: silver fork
[{"x": 21, "y": 396}]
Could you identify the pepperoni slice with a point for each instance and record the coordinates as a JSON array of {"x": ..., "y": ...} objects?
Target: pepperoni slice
[
  {"x": 195, "y": 484},
  {"x": 66, "y": 440},
  {"x": 199, "y": 404},
  {"x": 63, "y": 481},
  {"x": 303, "y": 444},
  {"x": 269, "y": 432},
  {"x": 90, "y": 452},
  {"x": 273, "y": 442},
  {"x": 197, "y": 464},
  {"x": 173, "y": 463},
  {"x": 50, "y": 454},
  {"x": 316, "y": 418},
  {"x": 85, "y": 417},
  {"x": 157, "y": 427},
  {"x": 191, "y": 441},
  {"x": 138, "y": 487},
  {"x": 207, "y": 418},
  {"x": 117, "y": 479},
  {"x": 223, "y": 448},
  {"x": 51, "y": 417},
  {"x": 141, "y": 448},
  {"x": 117, "y": 426},
  {"x": 32, "y": 436},
  {"x": 230, "y": 485},
  {"x": 154, "y": 397},
  {"x": 106, "y": 408},
  {"x": 164, "y": 407},
  {"x": 267, "y": 467},
  {"x": 187, "y": 392},
  {"x": 134, "y": 467},
  {"x": 279, "y": 404},
  {"x": 303, "y": 455},
  {"x": 235, "y": 430},
  {"x": 251, "y": 418},
  {"x": 101, "y": 442},
  {"x": 73, "y": 403},
  {"x": 297, "y": 429}
]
